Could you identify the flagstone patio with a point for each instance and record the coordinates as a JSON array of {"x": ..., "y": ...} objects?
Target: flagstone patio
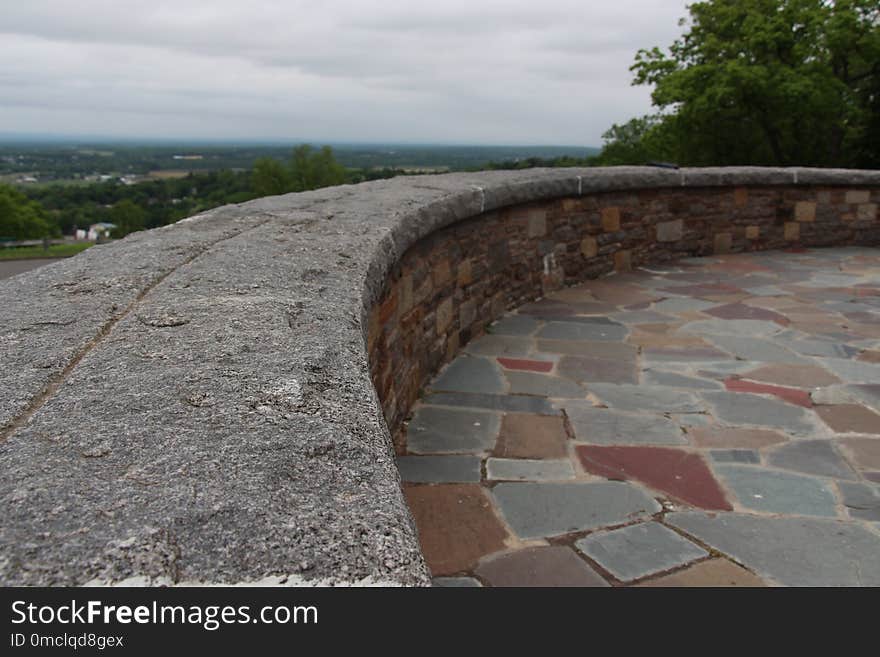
[{"x": 711, "y": 423}]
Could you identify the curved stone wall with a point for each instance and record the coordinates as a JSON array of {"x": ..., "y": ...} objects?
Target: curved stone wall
[{"x": 196, "y": 403}]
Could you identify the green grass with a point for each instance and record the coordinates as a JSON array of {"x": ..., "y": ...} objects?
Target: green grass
[{"x": 54, "y": 251}]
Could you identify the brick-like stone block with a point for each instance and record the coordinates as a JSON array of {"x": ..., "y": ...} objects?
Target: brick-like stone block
[
  {"x": 466, "y": 313},
  {"x": 623, "y": 261},
  {"x": 405, "y": 287},
  {"x": 537, "y": 223},
  {"x": 792, "y": 230},
  {"x": 740, "y": 196},
  {"x": 452, "y": 345},
  {"x": 805, "y": 211},
  {"x": 589, "y": 247},
  {"x": 723, "y": 243},
  {"x": 441, "y": 273},
  {"x": 444, "y": 316},
  {"x": 866, "y": 212},
  {"x": 753, "y": 232},
  {"x": 611, "y": 219},
  {"x": 465, "y": 273},
  {"x": 670, "y": 231},
  {"x": 856, "y": 196},
  {"x": 388, "y": 309},
  {"x": 569, "y": 204}
]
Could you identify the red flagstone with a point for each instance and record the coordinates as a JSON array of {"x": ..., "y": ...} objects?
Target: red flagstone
[
  {"x": 680, "y": 474},
  {"x": 791, "y": 395},
  {"x": 525, "y": 364}
]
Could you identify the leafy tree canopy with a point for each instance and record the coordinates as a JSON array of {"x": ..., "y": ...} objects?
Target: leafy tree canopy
[
  {"x": 308, "y": 169},
  {"x": 778, "y": 82},
  {"x": 21, "y": 218}
]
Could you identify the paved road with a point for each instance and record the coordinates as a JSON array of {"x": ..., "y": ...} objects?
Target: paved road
[
  {"x": 711, "y": 423},
  {"x": 12, "y": 267}
]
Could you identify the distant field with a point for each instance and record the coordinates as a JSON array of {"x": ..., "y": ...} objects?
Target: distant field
[
  {"x": 54, "y": 163},
  {"x": 54, "y": 251}
]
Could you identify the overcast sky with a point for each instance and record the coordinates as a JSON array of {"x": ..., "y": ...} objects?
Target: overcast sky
[{"x": 447, "y": 71}]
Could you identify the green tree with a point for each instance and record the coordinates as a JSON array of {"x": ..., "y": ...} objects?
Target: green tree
[
  {"x": 638, "y": 141},
  {"x": 128, "y": 217},
  {"x": 270, "y": 177},
  {"x": 779, "y": 82},
  {"x": 310, "y": 169},
  {"x": 21, "y": 218}
]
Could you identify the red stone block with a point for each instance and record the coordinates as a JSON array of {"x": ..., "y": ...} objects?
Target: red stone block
[
  {"x": 676, "y": 472},
  {"x": 791, "y": 395},
  {"x": 525, "y": 364}
]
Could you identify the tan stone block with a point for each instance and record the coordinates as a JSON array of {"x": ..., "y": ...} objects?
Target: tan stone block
[
  {"x": 531, "y": 437},
  {"x": 731, "y": 438},
  {"x": 753, "y": 232},
  {"x": 465, "y": 273},
  {"x": 866, "y": 211},
  {"x": 723, "y": 242},
  {"x": 805, "y": 211},
  {"x": 856, "y": 196},
  {"x": 456, "y": 525},
  {"x": 444, "y": 316},
  {"x": 792, "y": 230},
  {"x": 870, "y": 356},
  {"x": 711, "y": 573},
  {"x": 569, "y": 204},
  {"x": 850, "y": 418},
  {"x": 740, "y": 196},
  {"x": 537, "y": 223},
  {"x": 611, "y": 219},
  {"x": 623, "y": 261},
  {"x": 589, "y": 247},
  {"x": 441, "y": 273},
  {"x": 865, "y": 452}
]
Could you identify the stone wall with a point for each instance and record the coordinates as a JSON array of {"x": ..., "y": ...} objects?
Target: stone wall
[
  {"x": 196, "y": 403},
  {"x": 446, "y": 288}
]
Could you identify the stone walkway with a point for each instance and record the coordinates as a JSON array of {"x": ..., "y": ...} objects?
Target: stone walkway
[{"x": 715, "y": 422}]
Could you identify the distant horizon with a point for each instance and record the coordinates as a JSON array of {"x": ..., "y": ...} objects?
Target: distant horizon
[{"x": 11, "y": 138}]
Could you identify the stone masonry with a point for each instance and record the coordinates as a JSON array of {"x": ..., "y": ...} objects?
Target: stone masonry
[
  {"x": 450, "y": 285},
  {"x": 196, "y": 403}
]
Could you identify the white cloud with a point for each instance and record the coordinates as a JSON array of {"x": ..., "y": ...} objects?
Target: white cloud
[{"x": 479, "y": 71}]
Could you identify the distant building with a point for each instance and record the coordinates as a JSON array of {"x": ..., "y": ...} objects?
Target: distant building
[{"x": 101, "y": 229}]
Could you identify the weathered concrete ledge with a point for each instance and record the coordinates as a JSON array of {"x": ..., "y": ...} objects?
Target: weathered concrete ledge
[{"x": 195, "y": 403}]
